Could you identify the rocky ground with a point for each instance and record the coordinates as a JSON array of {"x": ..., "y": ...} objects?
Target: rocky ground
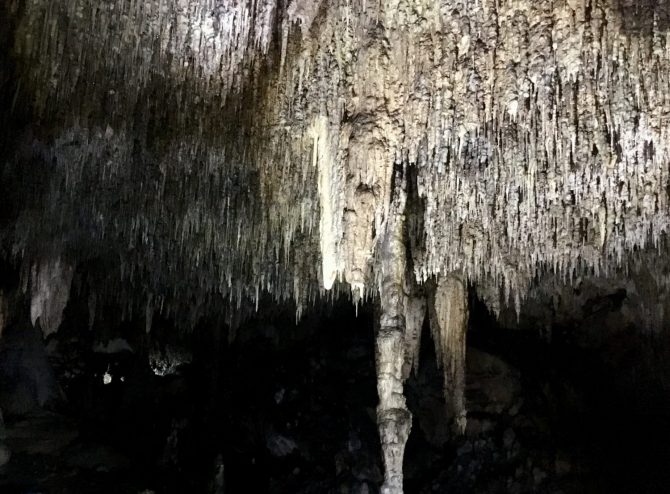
[{"x": 286, "y": 409}]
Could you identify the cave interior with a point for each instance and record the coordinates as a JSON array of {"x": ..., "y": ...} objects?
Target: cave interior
[{"x": 334, "y": 246}]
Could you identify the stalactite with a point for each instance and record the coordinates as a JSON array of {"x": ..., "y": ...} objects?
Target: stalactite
[
  {"x": 330, "y": 202},
  {"x": 216, "y": 152},
  {"x": 92, "y": 305},
  {"x": 415, "y": 313},
  {"x": 537, "y": 132},
  {"x": 449, "y": 324},
  {"x": 393, "y": 417},
  {"x": 4, "y": 317},
  {"x": 49, "y": 292}
]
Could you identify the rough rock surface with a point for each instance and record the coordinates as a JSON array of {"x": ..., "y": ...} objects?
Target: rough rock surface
[{"x": 538, "y": 131}]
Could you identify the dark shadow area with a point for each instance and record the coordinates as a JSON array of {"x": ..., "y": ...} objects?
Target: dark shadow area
[
  {"x": 286, "y": 408},
  {"x": 544, "y": 415},
  {"x": 643, "y": 17},
  {"x": 609, "y": 407},
  {"x": 282, "y": 408}
]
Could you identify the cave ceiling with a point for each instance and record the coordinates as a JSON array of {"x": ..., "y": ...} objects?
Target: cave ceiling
[{"x": 195, "y": 153}]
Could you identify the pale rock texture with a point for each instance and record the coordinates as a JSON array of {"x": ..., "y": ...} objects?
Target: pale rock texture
[
  {"x": 393, "y": 417},
  {"x": 449, "y": 323},
  {"x": 49, "y": 293},
  {"x": 538, "y": 132}
]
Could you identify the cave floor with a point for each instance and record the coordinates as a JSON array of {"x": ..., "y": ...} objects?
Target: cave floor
[
  {"x": 293, "y": 411},
  {"x": 49, "y": 455}
]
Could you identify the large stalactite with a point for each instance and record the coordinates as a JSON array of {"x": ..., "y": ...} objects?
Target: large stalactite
[{"x": 449, "y": 323}]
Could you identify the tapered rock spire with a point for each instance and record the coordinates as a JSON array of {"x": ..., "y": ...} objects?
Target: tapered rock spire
[
  {"x": 449, "y": 323},
  {"x": 393, "y": 417}
]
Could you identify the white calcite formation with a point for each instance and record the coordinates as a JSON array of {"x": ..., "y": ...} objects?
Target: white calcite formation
[
  {"x": 237, "y": 146},
  {"x": 50, "y": 282},
  {"x": 4, "y": 314},
  {"x": 449, "y": 323},
  {"x": 212, "y": 152}
]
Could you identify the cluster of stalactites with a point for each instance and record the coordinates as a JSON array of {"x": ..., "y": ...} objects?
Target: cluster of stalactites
[
  {"x": 540, "y": 143},
  {"x": 636, "y": 296},
  {"x": 446, "y": 303},
  {"x": 562, "y": 164},
  {"x": 539, "y": 132},
  {"x": 213, "y": 42}
]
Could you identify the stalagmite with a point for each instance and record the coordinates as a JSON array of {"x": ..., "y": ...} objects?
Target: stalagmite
[
  {"x": 393, "y": 418},
  {"x": 449, "y": 322}
]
